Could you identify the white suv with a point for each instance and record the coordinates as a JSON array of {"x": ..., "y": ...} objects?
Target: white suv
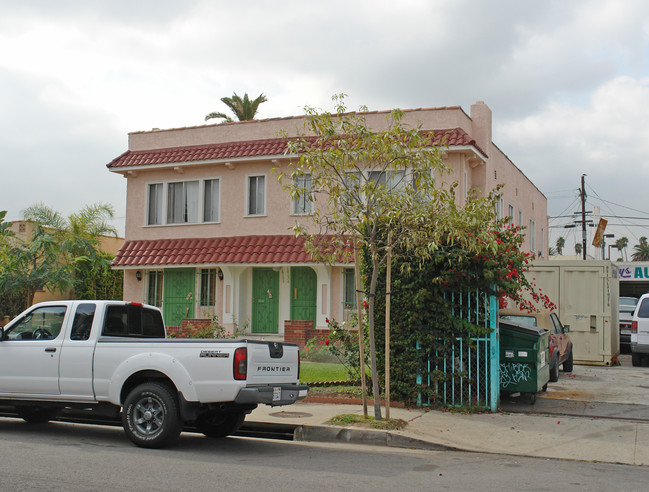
[{"x": 640, "y": 331}]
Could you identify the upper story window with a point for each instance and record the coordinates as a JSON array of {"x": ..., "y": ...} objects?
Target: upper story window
[
  {"x": 256, "y": 195},
  {"x": 532, "y": 236},
  {"x": 155, "y": 204},
  {"x": 390, "y": 179},
  {"x": 186, "y": 202},
  {"x": 520, "y": 218},
  {"x": 182, "y": 202},
  {"x": 510, "y": 214},
  {"x": 211, "y": 201},
  {"x": 303, "y": 204}
]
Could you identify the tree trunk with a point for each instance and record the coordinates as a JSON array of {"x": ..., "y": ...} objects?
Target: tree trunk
[{"x": 370, "y": 323}]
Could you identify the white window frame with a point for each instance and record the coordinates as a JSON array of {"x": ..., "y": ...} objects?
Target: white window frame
[
  {"x": 160, "y": 204},
  {"x": 164, "y": 202},
  {"x": 510, "y": 214},
  {"x": 532, "y": 236},
  {"x": 249, "y": 177},
  {"x": 542, "y": 241},
  {"x": 520, "y": 218},
  {"x": 303, "y": 205},
  {"x": 185, "y": 190},
  {"x": 218, "y": 200},
  {"x": 500, "y": 208}
]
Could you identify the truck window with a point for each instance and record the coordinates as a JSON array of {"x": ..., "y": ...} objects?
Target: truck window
[
  {"x": 133, "y": 321},
  {"x": 82, "y": 322},
  {"x": 643, "y": 310},
  {"x": 42, "y": 323}
]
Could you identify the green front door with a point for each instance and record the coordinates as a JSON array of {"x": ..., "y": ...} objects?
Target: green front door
[
  {"x": 265, "y": 300},
  {"x": 303, "y": 294},
  {"x": 178, "y": 295}
]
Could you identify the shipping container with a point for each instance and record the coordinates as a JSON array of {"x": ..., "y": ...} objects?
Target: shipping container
[{"x": 586, "y": 293}]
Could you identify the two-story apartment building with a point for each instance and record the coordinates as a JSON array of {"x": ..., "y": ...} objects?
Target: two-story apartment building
[{"x": 208, "y": 226}]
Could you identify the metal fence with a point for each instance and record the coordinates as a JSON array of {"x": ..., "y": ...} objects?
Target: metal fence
[{"x": 471, "y": 368}]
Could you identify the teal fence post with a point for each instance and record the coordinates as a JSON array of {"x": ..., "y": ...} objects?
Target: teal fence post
[{"x": 494, "y": 363}]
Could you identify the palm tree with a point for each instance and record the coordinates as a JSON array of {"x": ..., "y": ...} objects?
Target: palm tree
[
  {"x": 244, "y": 109},
  {"x": 79, "y": 234},
  {"x": 561, "y": 242},
  {"x": 578, "y": 248},
  {"x": 641, "y": 250},
  {"x": 621, "y": 245}
]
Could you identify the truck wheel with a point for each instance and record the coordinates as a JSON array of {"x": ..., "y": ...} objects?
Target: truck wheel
[
  {"x": 554, "y": 372},
  {"x": 636, "y": 359},
  {"x": 567, "y": 365},
  {"x": 219, "y": 424},
  {"x": 37, "y": 415},
  {"x": 150, "y": 416}
]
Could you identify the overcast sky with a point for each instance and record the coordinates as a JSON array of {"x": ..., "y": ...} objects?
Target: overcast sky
[{"x": 567, "y": 81}]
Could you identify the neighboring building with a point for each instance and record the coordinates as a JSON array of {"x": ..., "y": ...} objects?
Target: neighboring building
[
  {"x": 208, "y": 227},
  {"x": 25, "y": 229}
]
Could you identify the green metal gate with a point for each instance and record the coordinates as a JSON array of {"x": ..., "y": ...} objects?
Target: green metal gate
[
  {"x": 472, "y": 370},
  {"x": 303, "y": 294},
  {"x": 178, "y": 295},
  {"x": 265, "y": 300}
]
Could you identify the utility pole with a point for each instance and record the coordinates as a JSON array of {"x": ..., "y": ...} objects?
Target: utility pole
[{"x": 583, "y": 216}]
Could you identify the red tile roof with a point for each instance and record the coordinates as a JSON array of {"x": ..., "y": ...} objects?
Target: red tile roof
[
  {"x": 242, "y": 249},
  {"x": 250, "y": 148}
]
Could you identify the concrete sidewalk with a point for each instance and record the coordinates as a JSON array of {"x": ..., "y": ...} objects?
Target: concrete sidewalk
[
  {"x": 594, "y": 414},
  {"x": 548, "y": 436}
]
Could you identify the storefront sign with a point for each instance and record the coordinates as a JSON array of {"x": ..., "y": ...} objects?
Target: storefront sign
[{"x": 638, "y": 272}]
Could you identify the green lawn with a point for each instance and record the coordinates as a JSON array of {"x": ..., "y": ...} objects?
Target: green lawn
[{"x": 313, "y": 372}]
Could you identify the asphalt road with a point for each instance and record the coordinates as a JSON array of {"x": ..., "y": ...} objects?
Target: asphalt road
[{"x": 71, "y": 457}]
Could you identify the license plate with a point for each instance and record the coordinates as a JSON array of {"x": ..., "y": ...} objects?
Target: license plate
[{"x": 277, "y": 394}]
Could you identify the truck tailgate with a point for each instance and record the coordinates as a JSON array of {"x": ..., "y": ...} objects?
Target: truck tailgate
[{"x": 272, "y": 363}]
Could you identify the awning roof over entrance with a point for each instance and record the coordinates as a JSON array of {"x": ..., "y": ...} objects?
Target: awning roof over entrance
[{"x": 240, "y": 249}]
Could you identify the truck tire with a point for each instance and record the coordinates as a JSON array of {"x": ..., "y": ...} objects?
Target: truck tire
[
  {"x": 150, "y": 416},
  {"x": 37, "y": 415},
  {"x": 636, "y": 359},
  {"x": 567, "y": 365},
  {"x": 219, "y": 424},
  {"x": 554, "y": 371}
]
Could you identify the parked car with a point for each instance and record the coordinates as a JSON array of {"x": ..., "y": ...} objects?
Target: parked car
[
  {"x": 560, "y": 344},
  {"x": 640, "y": 331},
  {"x": 627, "y": 306}
]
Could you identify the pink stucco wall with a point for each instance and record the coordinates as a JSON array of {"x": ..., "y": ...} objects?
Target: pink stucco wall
[{"x": 485, "y": 175}]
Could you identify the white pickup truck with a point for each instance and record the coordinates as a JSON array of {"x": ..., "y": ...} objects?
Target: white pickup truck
[{"x": 110, "y": 356}]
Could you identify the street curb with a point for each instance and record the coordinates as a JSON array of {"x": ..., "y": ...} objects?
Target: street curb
[{"x": 327, "y": 433}]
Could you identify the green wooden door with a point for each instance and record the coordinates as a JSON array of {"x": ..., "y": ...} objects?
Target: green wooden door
[
  {"x": 265, "y": 300},
  {"x": 303, "y": 294},
  {"x": 178, "y": 295}
]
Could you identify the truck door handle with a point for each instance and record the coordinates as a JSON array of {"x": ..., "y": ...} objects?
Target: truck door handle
[{"x": 50, "y": 349}]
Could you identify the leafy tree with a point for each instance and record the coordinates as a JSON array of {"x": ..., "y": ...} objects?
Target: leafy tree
[
  {"x": 5, "y": 230},
  {"x": 29, "y": 266},
  {"x": 366, "y": 184},
  {"x": 561, "y": 242},
  {"x": 621, "y": 245},
  {"x": 244, "y": 109},
  {"x": 62, "y": 254},
  {"x": 641, "y": 250}
]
